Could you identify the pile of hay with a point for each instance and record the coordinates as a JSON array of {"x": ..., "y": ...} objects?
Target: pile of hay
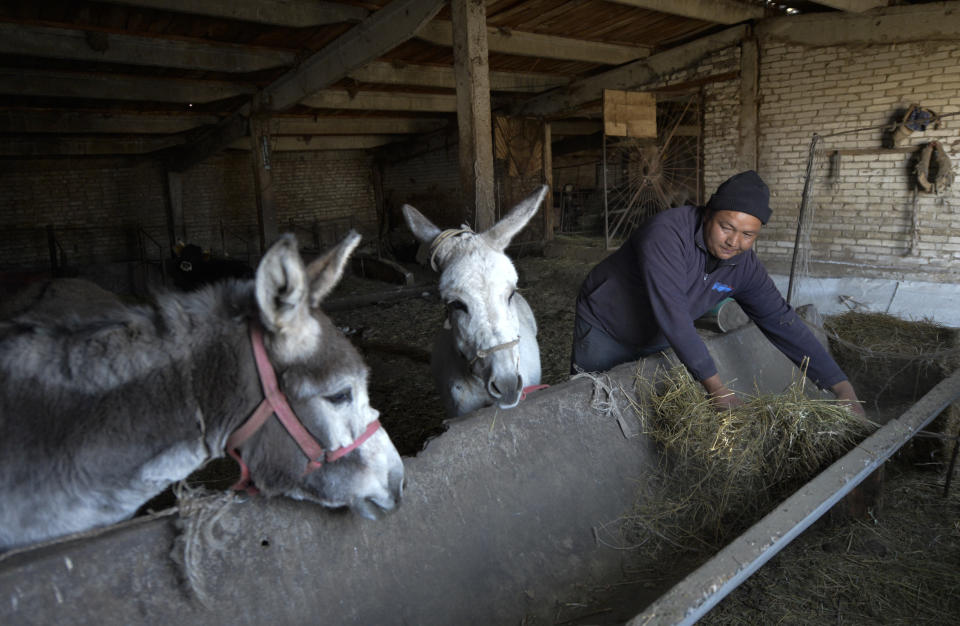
[
  {"x": 724, "y": 470},
  {"x": 900, "y": 355},
  {"x": 893, "y": 362}
]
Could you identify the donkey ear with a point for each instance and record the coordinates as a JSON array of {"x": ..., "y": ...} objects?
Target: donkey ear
[
  {"x": 325, "y": 272},
  {"x": 281, "y": 283},
  {"x": 500, "y": 234},
  {"x": 422, "y": 228}
]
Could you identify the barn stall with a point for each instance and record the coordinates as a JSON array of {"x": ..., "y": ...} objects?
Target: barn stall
[{"x": 119, "y": 141}]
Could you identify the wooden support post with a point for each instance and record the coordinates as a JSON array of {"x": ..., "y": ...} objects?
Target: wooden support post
[
  {"x": 549, "y": 223},
  {"x": 261, "y": 156},
  {"x": 176, "y": 228},
  {"x": 473, "y": 111},
  {"x": 749, "y": 104}
]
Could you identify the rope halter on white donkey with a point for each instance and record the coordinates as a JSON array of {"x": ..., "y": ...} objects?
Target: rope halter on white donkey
[{"x": 447, "y": 234}]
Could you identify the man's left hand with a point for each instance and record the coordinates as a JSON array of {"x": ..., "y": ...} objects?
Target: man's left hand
[{"x": 845, "y": 393}]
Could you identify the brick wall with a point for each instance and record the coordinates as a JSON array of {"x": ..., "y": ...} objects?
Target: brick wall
[
  {"x": 324, "y": 194},
  {"x": 863, "y": 203},
  {"x": 98, "y": 205},
  {"x": 430, "y": 182}
]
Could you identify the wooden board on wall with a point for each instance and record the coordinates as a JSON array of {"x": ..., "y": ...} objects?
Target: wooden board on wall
[
  {"x": 520, "y": 162},
  {"x": 629, "y": 113}
]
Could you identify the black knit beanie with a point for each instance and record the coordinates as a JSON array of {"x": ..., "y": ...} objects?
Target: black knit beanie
[{"x": 744, "y": 192}]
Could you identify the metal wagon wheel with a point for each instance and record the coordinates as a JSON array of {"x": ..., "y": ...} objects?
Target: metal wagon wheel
[{"x": 645, "y": 176}]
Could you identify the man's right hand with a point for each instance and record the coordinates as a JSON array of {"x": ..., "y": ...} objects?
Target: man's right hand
[{"x": 721, "y": 397}]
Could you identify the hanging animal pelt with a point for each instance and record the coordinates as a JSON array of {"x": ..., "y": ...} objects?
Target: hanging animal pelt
[{"x": 938, "y": 177}]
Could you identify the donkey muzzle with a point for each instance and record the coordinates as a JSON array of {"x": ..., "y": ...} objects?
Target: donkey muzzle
[{"x": 506, "y": 390}]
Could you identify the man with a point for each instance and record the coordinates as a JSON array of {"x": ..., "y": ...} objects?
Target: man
[{"x": 678, "y": 265}]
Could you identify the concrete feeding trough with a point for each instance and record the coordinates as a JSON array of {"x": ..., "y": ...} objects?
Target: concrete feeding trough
[{"x": 499, "y": 523}]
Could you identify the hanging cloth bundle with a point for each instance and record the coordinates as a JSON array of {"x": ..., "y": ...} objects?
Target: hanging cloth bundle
[
  {"x": 916, "y": 118},
  {"x": 942, "y": 170}
]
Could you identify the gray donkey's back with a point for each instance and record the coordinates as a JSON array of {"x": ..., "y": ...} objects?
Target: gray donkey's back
[{"x": 99, "y": 410}]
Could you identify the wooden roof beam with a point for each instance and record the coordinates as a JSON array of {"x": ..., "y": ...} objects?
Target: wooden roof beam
[
  {"x": 293, "y": 13},
  {"x": 83, "y": 146},
  {"x": 634, "y": 75},
  {"x": 64, "y": 43},
  {"x": 506, "y": 41},
  {"x": 381, "y": 32},
  {"x": 382, "y": 101},
  {"x": 442, "y": 77},
  {"x": 287, "y": 125},
  {"x": 853, "y": 6},
  {"x": 320, "y": 142},
  {"x": 21, "y": 82},
  {"x": 52, "y": 121},
  {"x": 716, "y": 11},
  {"x": 937, "y": 21}
]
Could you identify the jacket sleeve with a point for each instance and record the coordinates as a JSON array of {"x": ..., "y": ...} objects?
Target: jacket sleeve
[
  {"x": 662, "y": 265},
  {"x": 762, "y": 302}
]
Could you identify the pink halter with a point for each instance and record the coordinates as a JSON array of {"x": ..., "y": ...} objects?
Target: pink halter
[{"x": 275, "y": 403}]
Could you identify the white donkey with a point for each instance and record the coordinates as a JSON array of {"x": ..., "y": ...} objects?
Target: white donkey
[{"x": 487, "y": 351}]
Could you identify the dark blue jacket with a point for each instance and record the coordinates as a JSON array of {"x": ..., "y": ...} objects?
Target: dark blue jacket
[{"x": 649, "y": 292}]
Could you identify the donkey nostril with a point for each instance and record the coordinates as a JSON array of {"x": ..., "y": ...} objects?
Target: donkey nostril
[{"x": 494, "y": 390}]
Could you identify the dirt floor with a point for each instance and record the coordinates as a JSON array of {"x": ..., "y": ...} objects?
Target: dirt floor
[{"x": 898, "y": 565}]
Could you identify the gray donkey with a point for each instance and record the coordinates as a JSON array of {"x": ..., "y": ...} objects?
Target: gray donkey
[{"x": 100, "y": 412}]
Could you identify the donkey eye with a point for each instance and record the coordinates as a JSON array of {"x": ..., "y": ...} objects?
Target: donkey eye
[
  {"x": 341, "y": 397},
  {"x": 457, "y": 305}
]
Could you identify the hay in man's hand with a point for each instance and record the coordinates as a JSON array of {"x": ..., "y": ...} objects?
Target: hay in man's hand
[{"x": 724, "y": 470}]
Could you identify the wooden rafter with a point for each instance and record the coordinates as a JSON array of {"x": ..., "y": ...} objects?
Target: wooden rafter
[
  {"x": 65, "y": 43},
  {"x": 294, "y": 13},
  {"x": 521, "y": 43},
  {"x": 717, "y": 11}
]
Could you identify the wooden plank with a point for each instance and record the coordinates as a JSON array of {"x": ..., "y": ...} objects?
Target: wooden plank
[
  {"x": 749, "y": 105},
  {"x": 443, "y": 77},
  {"x": 506, "y": 41},
  {"x": 320, "y": 142},
  {"x": 939, "y": 21},
  {"x": 22, "y": 82},
  {"x": 293, "y": 13},
  {"x": 355, "y": 125},
  {"x": 549, "y": 219},
  {"x": 176, "y": 226},
  {"x": 261, "y": 156},
  {"x": 64, "y": 43},
  {"x": 853, "y": 6},
  {"x": 629, "y": 114},
  {"x": 717, "y": 11},
  {"x": 381, "y": 101},
  {"x": 55, "y": 121},
  {"x": 84, "y": 146},
  {"x": 473, "y": 113}
]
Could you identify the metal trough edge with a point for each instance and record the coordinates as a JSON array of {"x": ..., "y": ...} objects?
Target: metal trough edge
[{"x": 700, "y": 591}]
